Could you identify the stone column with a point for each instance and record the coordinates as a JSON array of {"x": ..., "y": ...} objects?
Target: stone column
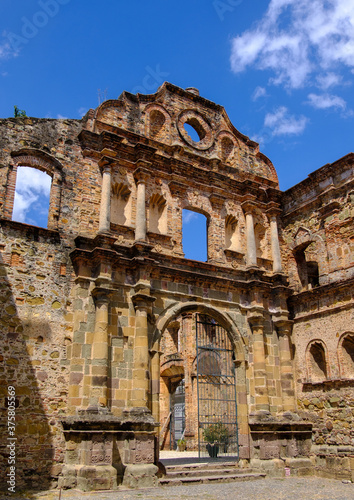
[
  {"x": 141, "y": 369},
  {"x": 105, "y": 208},
  {"x": 251, "y": 239},
  {"x": 140, "y": 227},
  {"x": 286, "y": 365},
  {"x": 256, "y": 321},
  {"x": 189, "y": 349},
  {"x": 100, "y": 350},
  {"x": 277, "y": 267},
  {"x": 155, "y": 384}
]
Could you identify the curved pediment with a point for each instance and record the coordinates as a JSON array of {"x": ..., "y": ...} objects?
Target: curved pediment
[{"x": 181, "y": 118}]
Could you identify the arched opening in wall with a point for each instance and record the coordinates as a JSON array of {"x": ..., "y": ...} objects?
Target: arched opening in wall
[
  {"x": 120, "y": 205},
  {"x": 316, "y": 362},
  {"x": 346, "y": 356},
  {"x": 32, "y": 196},
  {"x": 194, "y": 129},
  {"x": 232, "y": 234},
  {"x": 194, "y": 235},
  {"x": 157, "y": 214},
  {"x": 307, "y": 267},
  {"x": 203, "y": 370},
  {"x": 157, "y": 122}
]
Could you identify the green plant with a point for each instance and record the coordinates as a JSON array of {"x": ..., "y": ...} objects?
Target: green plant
[
  {"x": 216, "y": 433},
  {"x": 19, "y": 113},
  {"x": 181, "y": 442}
]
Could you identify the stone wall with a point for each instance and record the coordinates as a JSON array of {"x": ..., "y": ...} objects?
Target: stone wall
[
  {"x": 35, "y": 300},
  {"x": 87, "y": 300},
  {"x": 318, "y": 224}
]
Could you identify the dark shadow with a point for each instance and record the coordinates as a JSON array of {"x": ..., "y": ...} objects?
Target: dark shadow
[{"x": 20, "y": 368}]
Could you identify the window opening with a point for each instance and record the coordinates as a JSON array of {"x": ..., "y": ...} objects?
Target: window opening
[
  {"x": 306, "y": 265},
  {"x": 194, "y": 235},
  {"x": 32, "y": 195},
  {"x": 193, "y": 134},
  {"x": 313, "y": 274},
  {"x": 318, "y": 365}
]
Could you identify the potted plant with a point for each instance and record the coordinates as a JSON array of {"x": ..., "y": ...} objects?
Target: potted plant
[
  {"x": 216, "y": 434},
  {"x": 181, "y": 444}
]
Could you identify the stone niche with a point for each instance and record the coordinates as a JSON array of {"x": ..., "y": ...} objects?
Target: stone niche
[{"x": 103, "y": 451}]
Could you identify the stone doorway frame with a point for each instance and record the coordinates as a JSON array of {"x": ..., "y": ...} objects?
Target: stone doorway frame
[{"x": 226, "y": 320}]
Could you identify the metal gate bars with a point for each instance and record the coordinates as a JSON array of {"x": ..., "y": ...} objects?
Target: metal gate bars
[{"x": 216, "y": 385}]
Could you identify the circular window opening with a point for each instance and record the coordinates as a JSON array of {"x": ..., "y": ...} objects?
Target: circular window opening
[{"x": 194, "y": 129}]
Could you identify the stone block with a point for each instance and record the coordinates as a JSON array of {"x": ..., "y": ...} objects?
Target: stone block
[{"x": 140, "y": 476}]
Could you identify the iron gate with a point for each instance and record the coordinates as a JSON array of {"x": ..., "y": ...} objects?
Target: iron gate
[{"x": 216, "y": 385}]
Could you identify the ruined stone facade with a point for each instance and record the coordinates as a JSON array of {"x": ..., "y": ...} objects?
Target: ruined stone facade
[{"x": 98, "y": 309}]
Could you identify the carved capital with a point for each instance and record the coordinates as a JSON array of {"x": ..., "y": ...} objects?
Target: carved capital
[
  {"x": 101, "y": 295},
  {"x": 142, "y": 301}
]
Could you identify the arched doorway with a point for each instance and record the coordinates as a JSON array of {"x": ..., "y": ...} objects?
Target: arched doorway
[
  {"x": 216, "y": 386},
  {"x": 198, "y": 386}
]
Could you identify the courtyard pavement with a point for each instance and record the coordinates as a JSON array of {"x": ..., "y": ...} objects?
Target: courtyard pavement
[{"x": 289, "y": 488}]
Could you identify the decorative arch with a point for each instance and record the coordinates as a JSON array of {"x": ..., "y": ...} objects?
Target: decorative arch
[
  {"x": 38, "y": 159},
  {"x": 110, "y": 112},
  {"x": 157, "y": 123},
  {"x": 172, "y": 312},
  {"x": 317, "y": 361},
  {"x": 346, "y": 355},
  {"x": 228, "y": 146}
]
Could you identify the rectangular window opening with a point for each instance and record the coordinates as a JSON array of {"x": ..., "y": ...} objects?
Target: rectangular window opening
[{"x": 194, "y": 235}]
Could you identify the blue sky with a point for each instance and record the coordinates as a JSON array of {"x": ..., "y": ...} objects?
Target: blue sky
[{"x": 283, "y": 69}]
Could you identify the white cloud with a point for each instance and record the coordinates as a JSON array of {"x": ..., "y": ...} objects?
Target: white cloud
[
  {"x": 326, "y": 101},
  {"x": 188, "y": 216},
  {"x": 282, "y": 123},
  {"x": 296, "y": 38},
  {"x": 325, "y": 81},
  {"x": 259, "y": 92},
  {"x": 61, "y": 117},
  {"x": 32, "y": 186}
]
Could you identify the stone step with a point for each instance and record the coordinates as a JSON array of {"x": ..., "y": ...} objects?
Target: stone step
[
  {"x": 168, "y": 481},
  {"x": 209, "y": 471},
  {"x": 202, "y": 465}
]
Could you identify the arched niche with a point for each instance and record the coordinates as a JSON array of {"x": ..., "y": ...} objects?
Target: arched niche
[
  {"x": 232, "y": 234},
  {"x": 317, "y": 361},
  {"x": 157, "y": 214},
  {"x": 157, "y": 123},
  {"x": 121, "y": 202},
  {"x": 227, "y": 147},
  {"x": 346, "y": 355},
  {"x": 110, "y": 112}
]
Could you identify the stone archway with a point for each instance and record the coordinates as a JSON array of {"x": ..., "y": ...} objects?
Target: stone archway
[{"x": 175, "y": 340}]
